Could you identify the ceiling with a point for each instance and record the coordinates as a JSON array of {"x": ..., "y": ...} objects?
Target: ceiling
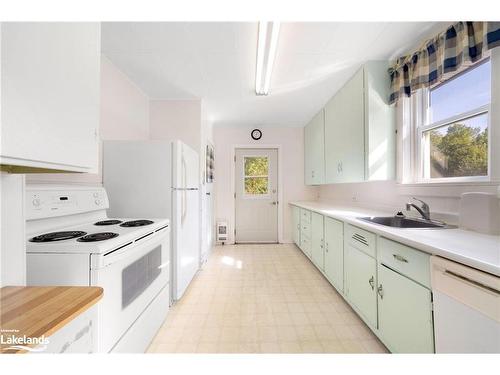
[{"x": 215, "y": 62}]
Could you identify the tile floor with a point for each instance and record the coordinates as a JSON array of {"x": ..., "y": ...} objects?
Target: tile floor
[{"x": 262, "y": 299}]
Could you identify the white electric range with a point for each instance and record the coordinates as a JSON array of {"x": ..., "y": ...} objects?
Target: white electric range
[{"x": 71, "y": 241}]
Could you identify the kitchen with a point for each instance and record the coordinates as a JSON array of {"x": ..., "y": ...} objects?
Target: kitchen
[{"x": 250, "y": 187}]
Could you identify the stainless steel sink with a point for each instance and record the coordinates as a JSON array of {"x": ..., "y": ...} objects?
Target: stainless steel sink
[{"x": 405, "y": 222}]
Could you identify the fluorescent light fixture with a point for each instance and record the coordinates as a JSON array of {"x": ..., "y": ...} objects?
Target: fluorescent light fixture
[{"x": 266, "y": 52}]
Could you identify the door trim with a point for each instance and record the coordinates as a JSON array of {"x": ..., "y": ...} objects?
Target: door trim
[{"x": 232, "y": 219}]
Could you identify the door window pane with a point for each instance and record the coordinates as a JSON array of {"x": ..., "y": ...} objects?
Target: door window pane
[
  {"x": 462, "y": 94},
  {"x": 256, "y": 166},
  {"x": 458, "y": 149},
  {"x": 256, "y": 175},
  {"x": 256, "y": 185}
]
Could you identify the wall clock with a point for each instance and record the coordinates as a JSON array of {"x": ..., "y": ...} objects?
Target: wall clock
[{"x": 256, "y": 134}]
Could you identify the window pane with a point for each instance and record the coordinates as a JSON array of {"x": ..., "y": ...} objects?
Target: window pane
[
  {"x": 256, "y": 166},
  {"x": 459, "y": 149},
  {"x": 464, "y": 93},
  {"x": 256, "y": 185}
]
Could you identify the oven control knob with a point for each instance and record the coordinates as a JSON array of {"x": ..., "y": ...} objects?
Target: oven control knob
[
  {"x": 36, "y": 202},
  {"x": 96, "y": 195},
  {"x": 98, "y": 202}
]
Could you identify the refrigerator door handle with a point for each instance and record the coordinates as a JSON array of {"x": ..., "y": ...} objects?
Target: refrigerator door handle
[{"x": 183, "y": 207}]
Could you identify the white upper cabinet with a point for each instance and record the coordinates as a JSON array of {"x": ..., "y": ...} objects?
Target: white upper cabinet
[
  {"x": 314, "y": 146},
  {"x": 359, "y": 131},
  {"x": 50, "y": 96}
]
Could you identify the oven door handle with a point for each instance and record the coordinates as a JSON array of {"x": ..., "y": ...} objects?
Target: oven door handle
[{"x": 129, "y": 251}]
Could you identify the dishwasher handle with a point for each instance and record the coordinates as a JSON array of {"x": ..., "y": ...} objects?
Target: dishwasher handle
[{"x": 471, "y": 282}]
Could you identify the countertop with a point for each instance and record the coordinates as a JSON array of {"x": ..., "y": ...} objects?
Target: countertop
[
  {"x": 41, "y": 311},
  {"x": 477, "y": 250}
]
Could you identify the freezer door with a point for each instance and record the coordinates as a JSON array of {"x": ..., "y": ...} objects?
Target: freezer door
[
  {"x": 186, "y": 166},
  {"x": 186, "y": 244}
]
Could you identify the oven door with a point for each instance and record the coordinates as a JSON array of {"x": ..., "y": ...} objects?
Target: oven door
[{"x": 132, "y": 277}]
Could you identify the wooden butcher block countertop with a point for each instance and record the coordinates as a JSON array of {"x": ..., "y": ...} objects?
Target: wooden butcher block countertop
[{"x": 41, "y": 311}]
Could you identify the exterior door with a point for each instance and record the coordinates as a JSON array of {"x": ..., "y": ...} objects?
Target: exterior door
[{"x": 256, "y": 195}]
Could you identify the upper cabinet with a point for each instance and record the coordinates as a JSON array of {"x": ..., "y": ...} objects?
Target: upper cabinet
[
  {"x": 314, "y": 138},
  {"x": 358, "y": 141},
  {"x": 50, "y": 85},
  {"x": 344, "y": 133}
]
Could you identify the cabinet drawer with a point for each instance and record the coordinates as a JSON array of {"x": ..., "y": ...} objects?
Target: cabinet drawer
[
  {"x": 305, "y": 216},
  {"x": 406, "y": 260},
  {"x": 305, "y": 230},
  {"x": 361, "y": 239}
]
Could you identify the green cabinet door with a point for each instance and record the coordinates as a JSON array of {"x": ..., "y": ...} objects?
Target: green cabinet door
[
  {"x": 345, "y": 133},
  {"x": 360, "y": 283},
  {"x": 317, "y": 241},
  {"x": 314, "y": 150},
  {"x": 405, "y": 313},
  {"x": 296, "y": 225},
  {"x": 334, "y": 252}
]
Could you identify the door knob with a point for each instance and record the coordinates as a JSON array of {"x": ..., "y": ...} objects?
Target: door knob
[{"x": 274, "y": 203}]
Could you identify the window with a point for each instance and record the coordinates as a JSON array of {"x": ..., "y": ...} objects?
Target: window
[
  {"x": 452, "y": 127},
  {"x": 256, "y": 175}
]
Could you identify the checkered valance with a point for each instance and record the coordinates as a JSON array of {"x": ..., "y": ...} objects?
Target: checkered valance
[{"x": 460, "y": 45}]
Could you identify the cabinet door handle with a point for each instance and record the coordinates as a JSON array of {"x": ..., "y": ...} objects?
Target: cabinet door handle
[
  {"x": 400, "y": 258},
  {"x": 380, "y": 291},
  {"x": 322, "y": 243},
  {"x": 326, "y": 247},
  {"x": 372, "y": 282}
]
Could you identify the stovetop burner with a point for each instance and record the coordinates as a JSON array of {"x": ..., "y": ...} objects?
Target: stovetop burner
[
  {"x": 136, "y": 223},
  {"x": 58, "y": 236},
  {"x": 108, "y": 222},
  {"x": 97, "y": 237}
]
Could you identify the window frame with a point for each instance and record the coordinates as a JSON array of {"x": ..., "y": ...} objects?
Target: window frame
[
  {"x": 420, "y": 122},
  {"x": 244, "y": 194}
]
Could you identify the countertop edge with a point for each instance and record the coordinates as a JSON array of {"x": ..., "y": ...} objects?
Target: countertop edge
[{"x": 471, "y": 262}]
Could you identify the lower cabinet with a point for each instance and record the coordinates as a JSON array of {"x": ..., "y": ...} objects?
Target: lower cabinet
[
  {"x": 317, "y": 241},
  {"x": 334, "y": 252},
  {"x": 296, "y": 225},
  {"x": 404, "y": 313},
  {"x": 360, "y": 282},
  {"x": 387, "y": 283}
]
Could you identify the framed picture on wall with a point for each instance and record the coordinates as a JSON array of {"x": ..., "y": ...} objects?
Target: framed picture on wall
[{"x": 210, "y": 160}]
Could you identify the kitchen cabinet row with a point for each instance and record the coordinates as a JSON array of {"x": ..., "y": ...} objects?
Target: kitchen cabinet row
[
  {"x": 50, "y": 98},
  {"x": 352, "y": 138},
  {"x": 386, "y": 283}
]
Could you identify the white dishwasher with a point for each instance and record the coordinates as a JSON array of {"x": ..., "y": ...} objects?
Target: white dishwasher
[{"x": 466, "y": 308}]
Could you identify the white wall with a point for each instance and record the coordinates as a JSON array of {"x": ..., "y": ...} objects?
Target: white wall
[
  {"x": 176, "y": 119},
  {"x": 124, "y": 114},
  {"x": 291, "y": 141}
]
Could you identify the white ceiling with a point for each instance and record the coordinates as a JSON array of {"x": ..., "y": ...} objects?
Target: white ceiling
[{"x": 216, "y": 62}]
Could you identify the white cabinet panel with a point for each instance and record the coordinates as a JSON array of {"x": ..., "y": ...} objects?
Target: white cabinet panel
[{"x": 50, "y": 95}]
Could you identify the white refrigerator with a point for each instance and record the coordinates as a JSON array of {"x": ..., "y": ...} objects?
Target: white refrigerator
[{"x": 160, "y": 179}]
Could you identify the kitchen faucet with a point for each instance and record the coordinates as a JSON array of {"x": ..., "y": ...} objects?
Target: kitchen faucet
[{"x": 424, "y": 210}]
